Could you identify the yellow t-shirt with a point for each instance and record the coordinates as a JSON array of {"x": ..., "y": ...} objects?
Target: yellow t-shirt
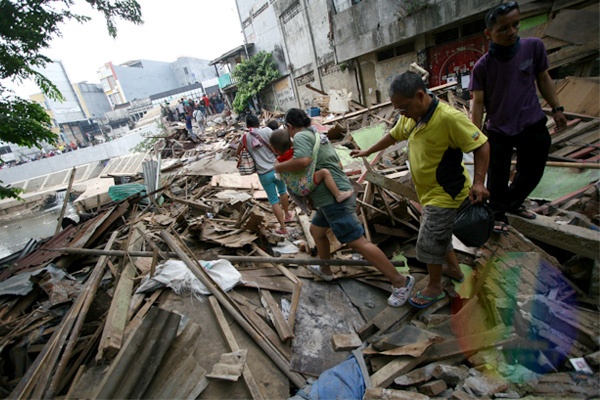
[{"x": 435, "y": 150}]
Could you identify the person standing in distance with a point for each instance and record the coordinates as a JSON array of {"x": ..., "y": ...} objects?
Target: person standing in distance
[{"x": 503, "y": 82}]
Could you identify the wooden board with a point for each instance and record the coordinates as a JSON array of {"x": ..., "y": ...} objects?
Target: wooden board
[{"x": 257, "y": 278}]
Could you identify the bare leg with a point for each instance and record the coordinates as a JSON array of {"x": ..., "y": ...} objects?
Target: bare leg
[
  {"x": 284, "y": 199},
  {"x": 377, "y": 258},
  {"x": 322, "y": 242},
  {"x": 453, "y": 269},
  {"x": 279, "y": 215},
  {"x": 324, "y": 175}
]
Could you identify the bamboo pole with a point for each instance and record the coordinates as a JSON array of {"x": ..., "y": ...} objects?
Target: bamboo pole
[{"x": 233, "y": 259}]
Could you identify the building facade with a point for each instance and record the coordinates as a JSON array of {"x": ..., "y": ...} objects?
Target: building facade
[
  {"x": 73, "y": 119},
  {"x": 361, "y": 45},
  {"x": 141, "y": 79}
]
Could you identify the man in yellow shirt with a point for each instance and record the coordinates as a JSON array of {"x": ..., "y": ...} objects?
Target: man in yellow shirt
[{"x": 437, "y": 135}]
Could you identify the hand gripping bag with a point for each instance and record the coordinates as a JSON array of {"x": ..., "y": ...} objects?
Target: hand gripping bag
[{"x": 474, "y": 223}]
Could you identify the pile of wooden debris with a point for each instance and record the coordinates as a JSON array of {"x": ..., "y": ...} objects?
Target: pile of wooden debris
[{"x": 137, "y": 302}]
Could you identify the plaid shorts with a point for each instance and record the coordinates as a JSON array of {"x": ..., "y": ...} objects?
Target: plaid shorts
[{"x": 435, "y": 234}]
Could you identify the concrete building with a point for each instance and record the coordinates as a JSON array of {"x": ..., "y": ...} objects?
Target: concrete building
[
  {"x": 361, "y": 45},
  {"x": 92, "y": 99},
  {"x": 141, "y": 79},
  {"x": 73, "y": 118},
  {"x": 227, "y": 63},
  {"x": 136, "y": 79},
  {"x": 188, "y": 70}
]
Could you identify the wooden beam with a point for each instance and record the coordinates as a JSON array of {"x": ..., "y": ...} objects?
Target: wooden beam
[
  {"x": 391, "y": 185},
  {"x": 297, "y": 286},
  {"x": 233, "y": 259},
  {"x": 233, "y": 346},
  {"x": 279, "y": 322},
  {"x": 380, "y": 105}
]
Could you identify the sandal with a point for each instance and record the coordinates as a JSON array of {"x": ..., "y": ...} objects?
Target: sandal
[
  {"x": 280, "y": 232},
  {"x": 524, "y": 213},
  {"x": 289, "y": 216},
  {"x": 429, "y": 300},
  {"x": 316, "y": 270},
  {"x": 501, "y": 227}
]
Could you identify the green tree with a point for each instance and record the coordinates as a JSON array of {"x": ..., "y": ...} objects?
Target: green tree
[
  {"x": 252, "y": 76},
  {"x": 27, "y": 28}
]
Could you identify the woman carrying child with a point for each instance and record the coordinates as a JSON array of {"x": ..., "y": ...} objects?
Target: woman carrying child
[
  {"x": 303, "y": 183},
  {"x": 341, "y": 217}
]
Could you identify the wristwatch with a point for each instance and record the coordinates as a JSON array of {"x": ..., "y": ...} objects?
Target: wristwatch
[{"x": 557, "y": 109}]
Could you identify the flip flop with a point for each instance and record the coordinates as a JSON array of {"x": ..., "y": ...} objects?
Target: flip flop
[
  {"x": 524, "y": 213},
  {"x": 501, "y": 227},
  {"x": 430, "y": 300}
]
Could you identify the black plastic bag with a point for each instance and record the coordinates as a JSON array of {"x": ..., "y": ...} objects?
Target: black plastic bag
[{"x": 474, "y": 223}]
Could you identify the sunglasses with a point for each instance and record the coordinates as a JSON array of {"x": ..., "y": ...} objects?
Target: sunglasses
[{"x": 501, "y": 10}]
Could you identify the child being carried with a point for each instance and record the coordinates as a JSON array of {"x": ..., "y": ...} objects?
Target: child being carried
[{"x": 281, "y": 143}]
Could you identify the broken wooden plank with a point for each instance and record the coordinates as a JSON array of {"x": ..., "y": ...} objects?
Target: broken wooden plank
[
  {"x": 347, "y": 341},
  {"x": 305, "y": 224},
  {"x": 391, "y": 185},
  {"x": 145, "y": 347},
  {"x": 439, "y": 351},
  {"x": 572, "y": 238},
  {"x": 233, "y": 346},
  {"x": 114, "y": 329},
  {"x": 279, "y": 322},
  {"x": 180, "y": 375},
  {"x": 33, "y": 380}
]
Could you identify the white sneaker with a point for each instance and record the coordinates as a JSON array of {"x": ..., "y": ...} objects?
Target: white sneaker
[
  {"x": 399, "y": 296},
  {"x": 316, "y": 270}
]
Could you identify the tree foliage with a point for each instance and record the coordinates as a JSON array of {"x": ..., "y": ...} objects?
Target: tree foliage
[
  {"x": 27, "y": 28},
  {"x": 252, "y": 76}
]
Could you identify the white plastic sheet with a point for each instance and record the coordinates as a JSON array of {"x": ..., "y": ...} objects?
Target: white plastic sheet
[{"x": 176, "y": 275}]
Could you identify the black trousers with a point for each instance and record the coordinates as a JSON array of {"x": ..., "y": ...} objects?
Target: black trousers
[{"x": 532, "y": 145}]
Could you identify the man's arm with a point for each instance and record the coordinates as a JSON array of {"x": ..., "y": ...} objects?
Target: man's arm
[
  {"x": 477, "y": 108},
  {"x": 383, "y": 143},
  {"x": 548, "y": 91},
  {"x": 478, "y": 191}
]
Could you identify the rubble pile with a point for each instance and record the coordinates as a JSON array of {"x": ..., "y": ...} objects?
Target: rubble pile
[{"x": 183, "y": 291}]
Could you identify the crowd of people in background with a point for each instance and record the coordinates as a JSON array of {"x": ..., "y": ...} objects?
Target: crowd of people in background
[
  {"x": 212, "y": 104},
  {"x": 194, "y": 111}
]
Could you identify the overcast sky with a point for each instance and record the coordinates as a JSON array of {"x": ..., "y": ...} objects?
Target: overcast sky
[{"x": 202, "y": 29}]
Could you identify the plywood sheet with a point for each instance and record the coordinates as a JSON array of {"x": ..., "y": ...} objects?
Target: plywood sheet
[
  {"x": 580, "y": 95},
  {"x": 575, "y": 26}
]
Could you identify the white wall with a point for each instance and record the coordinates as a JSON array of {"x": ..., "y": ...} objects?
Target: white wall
[{"x": 115, "y": 148}]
